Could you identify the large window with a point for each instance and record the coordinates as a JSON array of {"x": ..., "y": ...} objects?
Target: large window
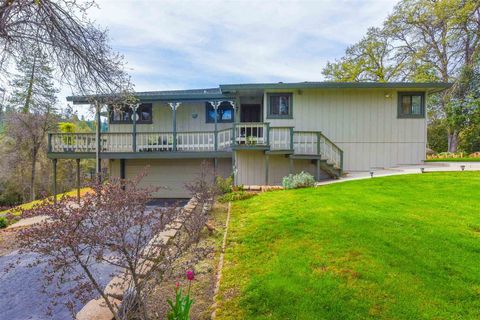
[
  {"x": 279, "y": 105},
  {"x": 225, "y": 113},
  {"x": 411, "y": 105},
  {"x": 124, "y": 114}
]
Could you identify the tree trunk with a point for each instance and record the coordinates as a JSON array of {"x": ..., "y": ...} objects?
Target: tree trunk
[
  {"x": 452, "y": 141},
  {"x": 33, "y": 172}
]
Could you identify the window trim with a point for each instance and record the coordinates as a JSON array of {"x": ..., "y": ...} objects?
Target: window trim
[
  {"x": 401, "y": 115},
  {"x": 130, "y": 121},
  {"x": 290, "y": 107},
  {"x": 209, "y": 105}
]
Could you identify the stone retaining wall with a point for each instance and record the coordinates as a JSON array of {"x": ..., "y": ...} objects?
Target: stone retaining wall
[{"x": 96, "y": 309}]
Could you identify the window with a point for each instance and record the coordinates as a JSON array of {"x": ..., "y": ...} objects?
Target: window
[
  {"x": 280, "y": 105},
  {"x": 124, "y": 114},
  {"x": 224, "y": 113},
  {"x": 411, "y": 105}
]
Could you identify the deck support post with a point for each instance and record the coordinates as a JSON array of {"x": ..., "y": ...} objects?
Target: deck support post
[
  {"x": 134, "y": 127},
  {"x": 122, "y": 172},
  {"x": 174, "y": 106},
  {"x": 78, "y": 180},
  {"x": 54, "y": 181},
  {"x": 98, "y": 164},
  {"x": 234, "y": 168},
  {"x": 266, "y": 168},
  {"x": 215, "y": 167},
  {"x": 317, "y": 169},
  {"x": 290, "y": 165}
]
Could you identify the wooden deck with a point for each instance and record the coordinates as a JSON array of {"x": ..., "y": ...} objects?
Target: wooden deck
[{"x": 242, "y": 136}]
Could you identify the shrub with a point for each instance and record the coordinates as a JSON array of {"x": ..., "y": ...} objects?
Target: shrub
[
  {"x": 3, "y": 222},
  {"x": 300, "y": 180},
  {"x": 235, "y": 196},
  {"x": 224, "y": 185}
]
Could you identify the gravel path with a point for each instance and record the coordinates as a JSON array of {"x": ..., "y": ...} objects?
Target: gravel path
[{"x": 20, "y": 289}]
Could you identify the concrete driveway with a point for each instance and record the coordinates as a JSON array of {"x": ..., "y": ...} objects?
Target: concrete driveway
[{"x": 20, "y": 289}]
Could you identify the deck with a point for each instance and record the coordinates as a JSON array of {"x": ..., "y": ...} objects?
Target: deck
[{"x": 200, "y": 144}]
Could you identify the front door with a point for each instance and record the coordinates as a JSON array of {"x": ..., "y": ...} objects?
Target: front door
[{"x": 251, "y": 113}]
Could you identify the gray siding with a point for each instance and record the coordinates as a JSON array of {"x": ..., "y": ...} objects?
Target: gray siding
[{"x": 362, "y": 122}]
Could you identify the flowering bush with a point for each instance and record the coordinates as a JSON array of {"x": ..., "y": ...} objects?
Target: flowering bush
[
  {"x": 453, "y": 155},
  {"x": 300, "y": 180},
  {"x": 180, "y": 308}
]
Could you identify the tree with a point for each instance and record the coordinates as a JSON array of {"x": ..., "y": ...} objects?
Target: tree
[
  {"x": 371, "y": 59},
  {"x": 422, "y": 40},
  {"x": 114, "y": 226},
  {"x": 443, "y": 36},
  {"x": 33, "y": 102},
  {"x": 60, "y": 29}
]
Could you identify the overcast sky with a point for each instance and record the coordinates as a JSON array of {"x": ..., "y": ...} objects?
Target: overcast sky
[{"x": 201, "y": 44}]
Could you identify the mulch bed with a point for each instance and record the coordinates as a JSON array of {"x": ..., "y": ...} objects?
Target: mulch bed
[{"x": 205, "y": 271}]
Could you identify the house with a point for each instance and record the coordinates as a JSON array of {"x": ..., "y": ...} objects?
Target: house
[{"x": 259, "y": 132}]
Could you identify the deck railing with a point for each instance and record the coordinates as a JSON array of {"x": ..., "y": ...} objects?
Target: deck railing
[
  {"x": 243, "y": 134},
  {"x": 281, "y": 138},
  {"x": 251, "y": 133}
]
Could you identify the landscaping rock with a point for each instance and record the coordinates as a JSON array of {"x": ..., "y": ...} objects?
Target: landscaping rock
[{"x": 96, "y": 310}]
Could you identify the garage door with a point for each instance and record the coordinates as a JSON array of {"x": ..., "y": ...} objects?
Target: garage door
[{"x": 171, "y": 175}]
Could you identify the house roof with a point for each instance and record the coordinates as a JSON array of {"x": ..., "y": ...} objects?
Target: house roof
[
  {"x": 227, "y": 91},
  {"x": 167, "y": 95},
  {"x": 429, "y": 86}
]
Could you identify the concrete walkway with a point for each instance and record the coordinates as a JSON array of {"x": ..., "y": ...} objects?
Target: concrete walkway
[{"x": 406, "y": 169}]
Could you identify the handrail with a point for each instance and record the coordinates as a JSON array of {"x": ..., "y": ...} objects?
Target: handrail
[{"x": 331, "y": 152}]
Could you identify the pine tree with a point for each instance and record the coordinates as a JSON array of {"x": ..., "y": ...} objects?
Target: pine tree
[
  {"x": 33, "y": 111},
  {"x": 33, "y": 88}
]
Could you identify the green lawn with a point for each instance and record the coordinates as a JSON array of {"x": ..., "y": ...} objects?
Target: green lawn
[
  {"x": 29, "y": 205},
  {"x": 454, "y": 160},
  {"x": 400, "y": 247}
]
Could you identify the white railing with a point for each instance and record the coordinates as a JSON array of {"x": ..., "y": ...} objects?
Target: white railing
[
  {"x": 331, "y": 152},
  {"x": 280, "y": 138},
  {"x": 224, "y": 139},
  {"x": 154, "y": 141},
  {"x": 73, "y": 142},
  {"x": 196, "y": 141},
  {"x": 305, "y": 142},
  {"x": 116, "y": 142},
  {"x": 250, "y": 133}
]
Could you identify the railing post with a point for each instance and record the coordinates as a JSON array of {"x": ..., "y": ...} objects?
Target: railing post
[
  {"x": 234, "y": 130},
  {"x": 319, "y": 135},
  {"x": 174, "y": 106},
  {"x": 134, "y": 127},
  {"x": 268, "y": 133}
]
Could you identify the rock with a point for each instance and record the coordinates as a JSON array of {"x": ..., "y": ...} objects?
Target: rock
[{"x": 97, "y": 310}]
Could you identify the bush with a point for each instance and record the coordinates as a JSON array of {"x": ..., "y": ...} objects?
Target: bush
[
  {"x": 3, "y": 222},
  {"x": 300, "y": 180},
  {"x": 224, "y": 185},
  {"x": 235, "y": 196}
]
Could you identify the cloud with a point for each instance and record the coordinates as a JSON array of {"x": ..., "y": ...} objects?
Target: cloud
[{"x": 195, "y": 44}]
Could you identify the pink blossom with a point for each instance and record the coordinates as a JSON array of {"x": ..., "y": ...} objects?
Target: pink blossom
[{"x": 190, "y": 275}]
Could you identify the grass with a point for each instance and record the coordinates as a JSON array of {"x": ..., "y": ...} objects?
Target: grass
[
  {"x": 399, "y": 247},
  {"x": 30, "y": 204},
  {"x": 454, "y": 160}
]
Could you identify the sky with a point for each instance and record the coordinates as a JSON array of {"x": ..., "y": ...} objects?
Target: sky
[{"x": 201, "y": 44}]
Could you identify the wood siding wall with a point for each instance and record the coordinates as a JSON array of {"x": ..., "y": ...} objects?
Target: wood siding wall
[
  {"x": 162, "y": 118},
  {"x": 362, "y": 122}
]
